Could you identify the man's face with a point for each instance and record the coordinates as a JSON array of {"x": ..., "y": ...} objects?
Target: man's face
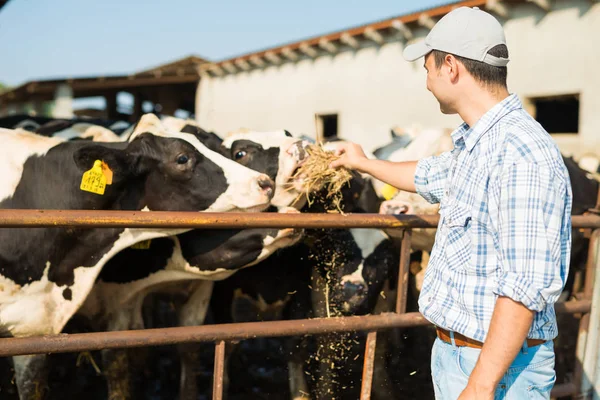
[{"x": 438, "y": 83}]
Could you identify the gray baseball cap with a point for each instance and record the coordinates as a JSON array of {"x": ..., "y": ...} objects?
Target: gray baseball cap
[{"x": 466, "y": 32}]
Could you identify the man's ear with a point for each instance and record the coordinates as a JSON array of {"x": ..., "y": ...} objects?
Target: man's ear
[{"x": 451, "y": 63}]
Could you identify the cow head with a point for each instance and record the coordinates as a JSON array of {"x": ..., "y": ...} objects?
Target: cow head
[
  {"x": 355, "y": 264},
  {"x": 400, "y": 139},
  {"x": 276, "y": 154},
  {"x": 178, "y": 172},
  {"x": 209, "y": 139}
]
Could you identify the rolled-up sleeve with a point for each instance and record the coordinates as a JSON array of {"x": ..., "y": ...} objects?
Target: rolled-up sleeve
[
  {"x": 431, "y": 175},
  {"x": 531, "y": 231}
]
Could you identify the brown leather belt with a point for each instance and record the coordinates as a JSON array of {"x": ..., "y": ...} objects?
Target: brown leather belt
[{"x": 463, "y": 341}]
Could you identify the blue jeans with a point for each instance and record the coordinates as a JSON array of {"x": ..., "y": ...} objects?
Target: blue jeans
[{"x": 530, "y": 376}]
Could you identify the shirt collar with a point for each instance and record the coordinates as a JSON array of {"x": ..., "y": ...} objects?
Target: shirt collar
[{"x": 470, "y": 136}]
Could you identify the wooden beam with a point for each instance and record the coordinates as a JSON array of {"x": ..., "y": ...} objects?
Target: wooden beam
[
  {"x": 242, "y": 64},
  {"x": 426, "y": 21},
  {"x": 308, "y": 50},
  {"x": 229, "y": 67},
  {"x": 497, "y": 7},
  {"x": 289, "y": 54},
  {"x": 402, "y": 28},
  {"x": 256, "y": 60},
  {"x": 543, "y": 4},
  {"x": 374, "y": 35},
  {"x": 328, "y": 46},
  {"x": 349, "y": 40},
  {"x": 272, "y": 57},
  {"x": 92, "y": 87},
  {"x": 111, "y": 105}
]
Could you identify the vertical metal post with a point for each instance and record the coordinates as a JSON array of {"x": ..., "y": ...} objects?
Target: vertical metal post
[
  {"x": 585, "y": 318},
  {"x": 368, "y": 366},
  {"x": 404, "y": 270},
  {"x": 593, "y": 333},
  {"x": 219, "y": 370}
]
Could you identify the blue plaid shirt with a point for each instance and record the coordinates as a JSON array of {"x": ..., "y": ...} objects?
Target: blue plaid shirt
[{"x": 505, "y": 223}]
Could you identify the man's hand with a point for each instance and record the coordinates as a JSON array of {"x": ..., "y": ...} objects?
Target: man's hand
[
  {"x": 400, "y": 175},
  {"x": 472, "y": 392},
  {"x": 352, "y": 156},
  {"x": 508, "y": 330}
]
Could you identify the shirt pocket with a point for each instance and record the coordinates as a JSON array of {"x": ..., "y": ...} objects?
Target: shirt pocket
[{"x": 457, "y": 224}]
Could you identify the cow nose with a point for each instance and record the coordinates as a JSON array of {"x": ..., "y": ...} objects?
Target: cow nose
[
  {"x": 352, "y": 289},
  {"x": 266, "y": 184}
]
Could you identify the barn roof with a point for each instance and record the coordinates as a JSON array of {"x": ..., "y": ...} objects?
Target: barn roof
[
  {"x": 182, "y": 71},
  {"x": 378, "y": 32}
]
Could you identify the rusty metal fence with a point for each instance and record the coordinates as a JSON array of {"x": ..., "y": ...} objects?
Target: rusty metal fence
[{"x": 221, "y": 334}]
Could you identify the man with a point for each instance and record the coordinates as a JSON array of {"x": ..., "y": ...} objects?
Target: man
[{"x": 502, "y": 247}]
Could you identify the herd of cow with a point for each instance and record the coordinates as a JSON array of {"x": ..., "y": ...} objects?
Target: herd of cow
[{"x": 48, "y": 276}]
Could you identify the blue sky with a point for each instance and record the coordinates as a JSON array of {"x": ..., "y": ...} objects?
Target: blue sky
[{"x": 59, "y": 38}]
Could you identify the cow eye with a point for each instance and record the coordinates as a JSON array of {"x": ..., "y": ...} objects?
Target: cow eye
[
  {"x": 240, "y": 154},
  {"x": 182, "y": 159}
]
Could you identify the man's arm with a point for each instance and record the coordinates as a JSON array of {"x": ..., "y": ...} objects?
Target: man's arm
[
  {"x": 508, "y": 330},
  {"x": 400, "y": 175},
  {"x": 426, "y": 177}
]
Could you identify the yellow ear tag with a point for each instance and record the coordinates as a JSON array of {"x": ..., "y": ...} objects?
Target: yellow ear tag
[
  {"x": 389, "y": 192},
  {"x": 107, "y": 173},
  {"x": 94, "y": 180},
  {"x": 144, "y": 245}
]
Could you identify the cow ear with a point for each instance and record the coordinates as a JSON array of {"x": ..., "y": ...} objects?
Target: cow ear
[
  {"x": 143, "y": 153},
  {"x": 117, "y": 160}
]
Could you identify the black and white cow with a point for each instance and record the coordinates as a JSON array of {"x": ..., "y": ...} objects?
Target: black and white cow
[
  {"x": 188, "y": 262},
  {"x": 330, "y": 273},
  {"x": 400, "y": 139},
  {"x": 47, "y": 273},
  {"x": 279, "y": 284},
  {"x": 67, "y": 128},
  {"x": 209, "y": 139},
  {"x": 585, "y": 197}
]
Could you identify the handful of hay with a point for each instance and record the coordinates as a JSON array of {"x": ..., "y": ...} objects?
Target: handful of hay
[{"x": 319, "y": 176}]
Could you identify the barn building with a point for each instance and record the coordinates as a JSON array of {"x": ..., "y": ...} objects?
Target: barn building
[
  {"x": 354, "y": 83},
  {"x": 170, "y": 86}
]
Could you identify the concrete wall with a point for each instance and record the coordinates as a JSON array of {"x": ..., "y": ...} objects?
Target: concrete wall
[{"x": 373, "y": 89}]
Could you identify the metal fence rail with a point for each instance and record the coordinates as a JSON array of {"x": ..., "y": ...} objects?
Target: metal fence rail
[
  {"x": 197, "y": 220},
  {"x": 220, "y": 334}
]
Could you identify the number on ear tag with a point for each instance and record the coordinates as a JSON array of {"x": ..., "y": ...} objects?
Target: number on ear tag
[{"x": 94, "y": 180}]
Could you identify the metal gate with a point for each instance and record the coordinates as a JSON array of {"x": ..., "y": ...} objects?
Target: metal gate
[{"x": 587, "y": 302}]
